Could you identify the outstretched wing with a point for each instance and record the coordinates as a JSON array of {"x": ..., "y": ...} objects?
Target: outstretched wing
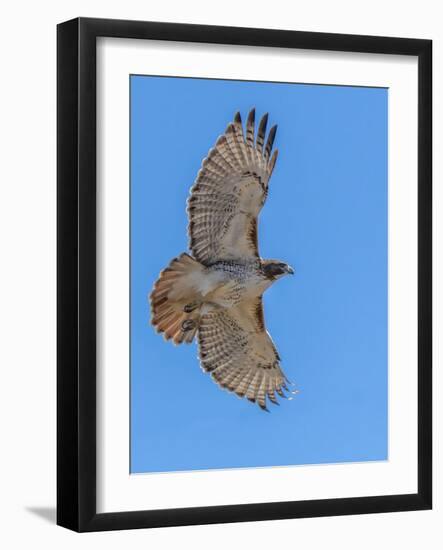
[
  {"x": 238, "y": 352},
  {"x": 229, "y": 192}
]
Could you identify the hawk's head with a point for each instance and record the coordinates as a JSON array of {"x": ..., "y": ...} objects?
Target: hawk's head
[{"x": 274, "y": 269}]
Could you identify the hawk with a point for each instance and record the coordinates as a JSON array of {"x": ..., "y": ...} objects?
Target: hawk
[{"x": 216, "y": 293}]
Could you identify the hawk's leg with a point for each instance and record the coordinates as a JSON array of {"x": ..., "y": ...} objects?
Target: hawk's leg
[{"x": 189, "y": 324}]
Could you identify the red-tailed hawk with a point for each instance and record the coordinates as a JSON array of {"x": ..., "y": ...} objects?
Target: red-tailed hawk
[{"x": 216, "y": 293}]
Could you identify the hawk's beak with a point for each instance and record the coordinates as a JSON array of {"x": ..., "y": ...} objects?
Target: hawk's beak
[{"x": 290, "y": 270}]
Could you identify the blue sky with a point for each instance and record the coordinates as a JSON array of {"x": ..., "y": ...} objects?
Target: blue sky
[{"x": 326, "y": 215}]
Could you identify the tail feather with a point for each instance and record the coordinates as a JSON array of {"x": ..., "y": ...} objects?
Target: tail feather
[{"x": 172, "y": 297}]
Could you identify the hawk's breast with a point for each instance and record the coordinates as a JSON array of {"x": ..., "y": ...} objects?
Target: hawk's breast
[{"x": 239, "y": 282}]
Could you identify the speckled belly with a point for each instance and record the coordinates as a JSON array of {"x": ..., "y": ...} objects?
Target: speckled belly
[{"x": 236, "y": 287}]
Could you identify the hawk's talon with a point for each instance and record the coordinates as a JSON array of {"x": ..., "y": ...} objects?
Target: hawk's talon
[
  {"x": 189, "y": 324},
  {"x": 189, "y": 308}
]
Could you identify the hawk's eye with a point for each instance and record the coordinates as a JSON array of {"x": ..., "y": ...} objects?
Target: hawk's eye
[{"x": 275, "y": 269}]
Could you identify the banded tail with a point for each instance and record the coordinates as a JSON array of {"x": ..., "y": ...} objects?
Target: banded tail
[{"x": 175, "y": 300}]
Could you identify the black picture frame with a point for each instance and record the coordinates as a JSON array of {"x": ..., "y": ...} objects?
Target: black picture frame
[{"x": 76, "y": 279}]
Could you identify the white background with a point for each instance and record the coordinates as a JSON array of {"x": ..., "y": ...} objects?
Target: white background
[
  {"x": 116, "y": 491},
  {"x": 27, "y": 300}
]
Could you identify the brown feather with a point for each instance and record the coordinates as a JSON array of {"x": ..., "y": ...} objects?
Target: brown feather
[
  {"x": 270, "y": 141},
  {"x": 170, "y": 295},
  {"x": 250, "y": 128},
  {"x": 239, "y": 354},
  {"x": 261, "y": 132},
  {"x": 230, "y": 187}
]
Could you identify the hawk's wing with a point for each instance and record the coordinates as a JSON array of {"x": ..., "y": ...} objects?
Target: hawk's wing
[
  {"x": 229, "y": 192},
  {"x": 238, "y": 352}
]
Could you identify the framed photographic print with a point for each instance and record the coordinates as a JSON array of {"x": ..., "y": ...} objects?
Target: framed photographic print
[{"x": 244, "y": 312}]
